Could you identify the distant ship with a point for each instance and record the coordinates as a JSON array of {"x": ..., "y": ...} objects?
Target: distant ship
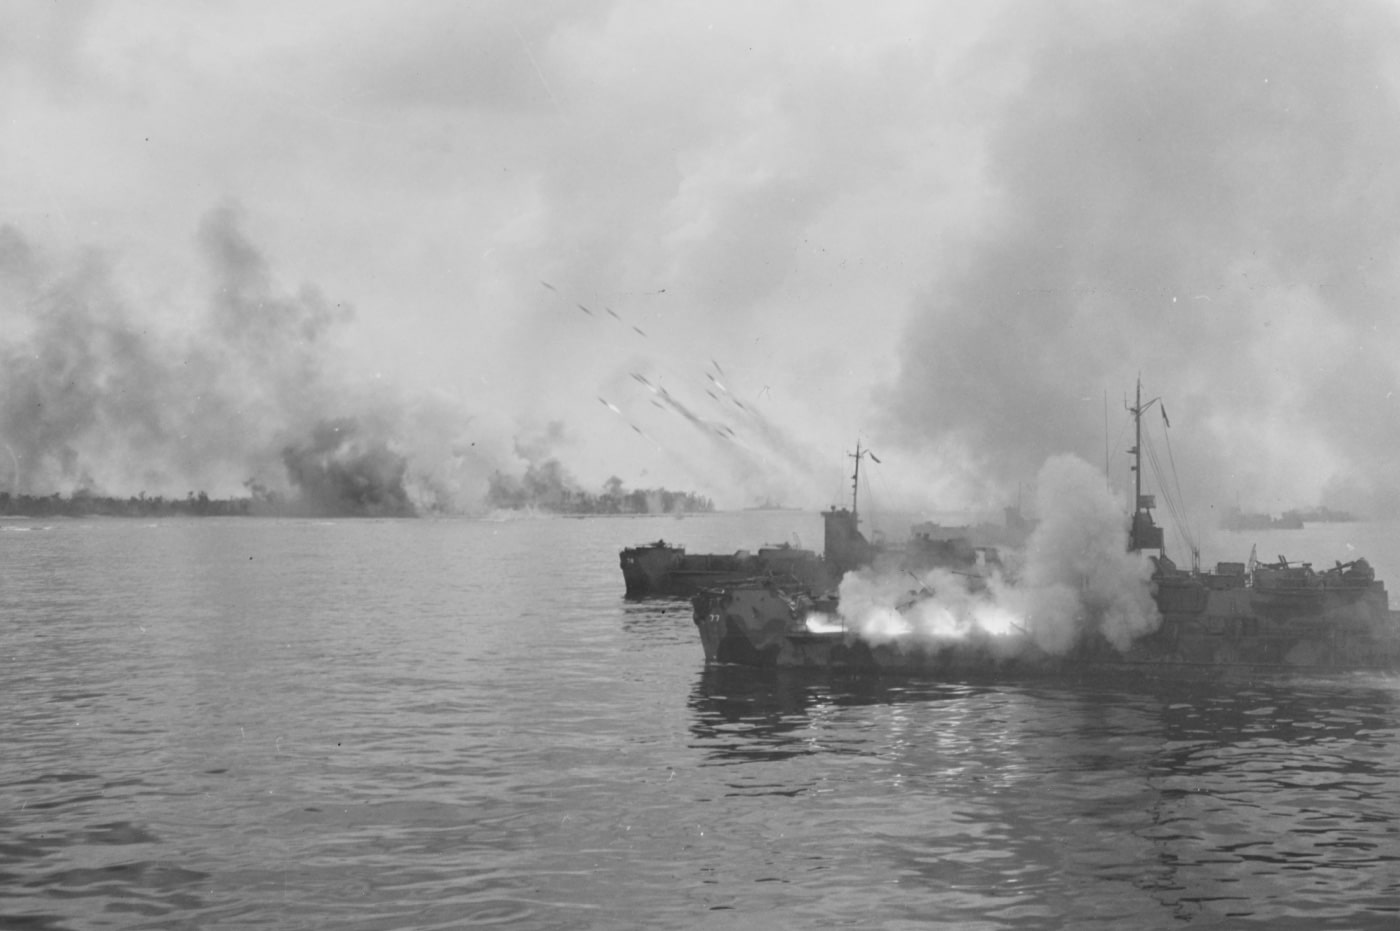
[
  {"x": 1244, "y": 616},
  {"x": 1236, "y": 520},
  {"x": 767, "y": 504}
]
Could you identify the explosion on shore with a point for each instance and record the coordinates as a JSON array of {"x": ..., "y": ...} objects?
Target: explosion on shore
[
  {"x": 339, "y": 473},
  {"x": 548, "y": 486},
  {"x": 245, "y": 402}
]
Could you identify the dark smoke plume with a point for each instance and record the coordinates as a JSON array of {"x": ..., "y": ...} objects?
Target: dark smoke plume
[
  {"x": 100, "y": 399},
  {"x": 247, "y": 393},
  {"x": 80, "y": 384},
  {"x": 548, "y": 486},
  {"x": 339, "y": 473}
]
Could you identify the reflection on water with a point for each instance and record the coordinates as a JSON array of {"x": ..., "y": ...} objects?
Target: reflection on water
[
  {"x": 763, "y": 714},
  {"x": 1269, "y": 801},
  {"x": 655, "y": 620},
  {"x": 1279, "y": 788},
  {"x": 374, "y": 725}
]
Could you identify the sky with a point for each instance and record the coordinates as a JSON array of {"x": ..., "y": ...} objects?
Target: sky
[{"x": 708, "y": 247}]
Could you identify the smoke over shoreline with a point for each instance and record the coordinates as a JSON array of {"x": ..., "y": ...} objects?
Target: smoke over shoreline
[
  {"x": 246, "y": 390},
  {"x": 250, "y": 387},
  {"x": 1076, "y": 581},
  {"x": 338, "y": 472},
  {"x": 547, "y": 485}
]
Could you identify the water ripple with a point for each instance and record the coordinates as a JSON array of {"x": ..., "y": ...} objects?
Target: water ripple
[{"x": 378, "y": 725}]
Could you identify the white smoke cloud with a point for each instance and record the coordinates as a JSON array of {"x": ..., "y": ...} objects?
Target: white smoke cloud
[
  {"x": 999, "y": 212},
  {"x": 1078, "y": 573},
  {"x": 1203, "y": 193},
  {"x": 1076, "y": 581}
]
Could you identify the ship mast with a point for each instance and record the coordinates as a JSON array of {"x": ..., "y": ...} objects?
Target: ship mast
[
  {"x": 1144, "y": 534},
  {"x": 855, "y": 481},
  {"x": 858, "y": 455},
  {"x": 1137, "y": 450}
]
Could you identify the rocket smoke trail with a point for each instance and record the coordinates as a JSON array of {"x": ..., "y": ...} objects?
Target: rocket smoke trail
[{"x": 758, "y": 456}]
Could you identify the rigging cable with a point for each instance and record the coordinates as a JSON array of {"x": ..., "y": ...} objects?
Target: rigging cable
[
  {"x": 1172, "y": 500},
  {"x": 1122, "y": 432},
  {"x": 1187, "y": 532},
  {"x": 872, "y": 511}
]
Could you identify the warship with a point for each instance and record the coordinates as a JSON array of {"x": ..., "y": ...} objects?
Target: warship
[
  {"x": 1243, "y": 616},
  {"x": 662, "y": 569},
  {"x": 667, "y": 570}
]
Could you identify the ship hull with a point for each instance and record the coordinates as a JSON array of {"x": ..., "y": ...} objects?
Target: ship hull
[
  {"x": 764, "y": 626},
  {"x": 666, "y": 570},
  {"x": 661, "y": 570}
]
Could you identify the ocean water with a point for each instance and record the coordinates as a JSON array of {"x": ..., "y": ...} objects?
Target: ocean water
[{"x": 244, "y": 723}]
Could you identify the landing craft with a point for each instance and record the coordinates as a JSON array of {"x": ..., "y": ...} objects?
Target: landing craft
[
  {"x": 664, "y": 569},
  {"x": 1241, "y": 617}
]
